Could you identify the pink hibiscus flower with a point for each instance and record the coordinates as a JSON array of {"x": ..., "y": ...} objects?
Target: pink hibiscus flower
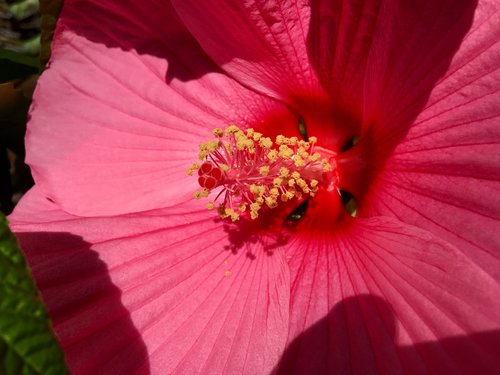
[{"x": 139, "y": 277}]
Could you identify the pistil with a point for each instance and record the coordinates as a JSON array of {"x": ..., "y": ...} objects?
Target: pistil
[{"x": 249, "y": 172}]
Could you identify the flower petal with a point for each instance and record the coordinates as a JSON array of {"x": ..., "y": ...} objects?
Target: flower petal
[
  {"x": 385, "y": 297},
  {"x": 261, "y": 44},
  {"x": 340, "y": 37},
  {"x": 163, "y": 291},
  {"x": 444, "y": 176},
  {"x": 118, "y": 116},
  {"x": 412, "y": 49}
]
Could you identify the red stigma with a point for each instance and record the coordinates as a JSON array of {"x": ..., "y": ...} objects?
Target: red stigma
[{"x": 210, "y": 176}]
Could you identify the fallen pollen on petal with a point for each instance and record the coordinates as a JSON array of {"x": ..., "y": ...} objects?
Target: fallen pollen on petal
[{"x": 248, "y": 171}]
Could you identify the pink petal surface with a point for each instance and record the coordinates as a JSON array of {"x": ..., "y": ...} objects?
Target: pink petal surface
[
  {"x": 364, "y": 54},
  {"x": 260, "y": 43},
  {"x": 412, "y": 48},
  {"x": 118, "y": 116},
  {"x": 386, "y": 297},
  {"x": 339, "y": 40},
  {"x": 163, "y": 291},
  {"x": 444, "y": 176}
]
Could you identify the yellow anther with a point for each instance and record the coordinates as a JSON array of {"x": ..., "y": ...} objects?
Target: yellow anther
[
  {"x": 315, "y": 157},
  {"x": 313, "y": 140},
  {"x": 201, "y": 194},
  {"x": 239, "y": 135},
  {"x": 257, "y": 136},
  {"x": 301, "y": 182},
  {"x": 211, "y": 146},
  {"x": 229, "y": 212},
  {"x": 326, "y": 166},
  {"x": 265, "y": 142},
  {"x": 241, "y": 144},
  {"x": 284, "y": 172},
  {"x": 291, "y": 182},
  {"x": 280, "y": 139},
  {"x": 293, "y": 141},
  {"x": 290, "y": 193},
  {"x": 277, "y": 181},
  {"x": 257, "y": 189},
  {"x": 250, "y": 146},
  {"x": 284, "y": 197},
  {"x": 192, "y": 168},
  {"x": 271, "y": 202},
  {"x": 242, "y": 207},
  {"x": 264, "y": 170},
  {"x": 313, "y": 183},
  {"x": 203, "y": 153},
  {"x": 295, "y": 175},
  {"x": 272, "y": 155},
  {"x": 274, "y": 192},
  {"x": 231, "y": 129},
  {"x": 254, "y": 206},
  {"x": 218, "y": 132},
  {"x": 254, "y": 210},
  {"x": 224, "y": 167},
  {"x": 250, "y": 132},
  {"x": 285, "y": 152},
  {"x": 210, "y": 205},
  {"x": 298, "y": 161}
]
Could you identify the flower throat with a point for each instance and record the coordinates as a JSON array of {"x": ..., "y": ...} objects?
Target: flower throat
[{"x": 252, "y": 172}]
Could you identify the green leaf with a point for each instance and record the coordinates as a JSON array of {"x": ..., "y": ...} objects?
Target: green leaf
[
  {"x": 19, "y": 58},
  {"x": 15, "y": 65},
  {"x": 27, "y": 343},
  {"x": 49, "y": 9},
  {"x": 23, "y": 9}
]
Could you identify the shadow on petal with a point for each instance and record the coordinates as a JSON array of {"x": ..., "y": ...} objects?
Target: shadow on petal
[
  {"x": 94, "y": 328},
  {"x": 386, "y": 60},
  {"x": 359, "y": 336},
  {"x": 146, "y": 28},
  {"x": 266, "y": 231},
  {"x": 327, "y": 347}
]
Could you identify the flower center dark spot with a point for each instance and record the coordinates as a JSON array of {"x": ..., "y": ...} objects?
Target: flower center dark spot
[{"x": 351, "y": 142}]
